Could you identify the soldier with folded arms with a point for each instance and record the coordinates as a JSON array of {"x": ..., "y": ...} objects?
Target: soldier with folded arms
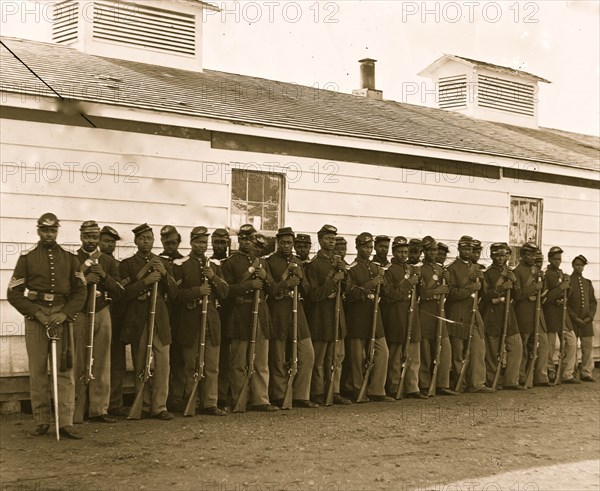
[
  {"x": 138, "y": 273},
  {"x": 100, "y": 270},
  {"x": 56, "y": 294}
]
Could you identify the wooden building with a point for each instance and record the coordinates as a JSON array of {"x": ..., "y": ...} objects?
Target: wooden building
[{"x": 117, "y": 121}]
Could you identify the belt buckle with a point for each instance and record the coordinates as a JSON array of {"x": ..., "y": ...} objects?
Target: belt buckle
[{"x": 48, "y": 297}]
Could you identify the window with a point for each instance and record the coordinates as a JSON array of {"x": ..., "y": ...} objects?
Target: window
[
  {"x": 525, "y": 224},
  {"x": 256, "y": 198}
]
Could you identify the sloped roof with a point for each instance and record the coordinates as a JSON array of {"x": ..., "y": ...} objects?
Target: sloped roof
[{"x": 256, "y": 101}]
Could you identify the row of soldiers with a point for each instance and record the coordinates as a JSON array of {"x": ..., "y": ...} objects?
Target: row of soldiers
[{"x": 286, "y": 329}]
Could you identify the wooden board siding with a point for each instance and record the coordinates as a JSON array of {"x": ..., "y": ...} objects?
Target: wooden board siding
[{"x": 186, "y": 182}]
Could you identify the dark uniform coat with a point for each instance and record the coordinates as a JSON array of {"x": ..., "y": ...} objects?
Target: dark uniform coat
[
  {"x": 280, "y": 303},
  {"x": 582, "y": 304},
  {"x": 553, "y": 307},
  {"x": 136, "y": 298},
  {"x": 524, "y": 293},
  {"x": 493, "y": 314},
  {"x": 459, "y": 302},
  {"x": 322, "y": 294},
  {"x": 108, "y": 288},
  {"x": 47, "y": 270},
  {"x": 239, "y": 319},
  {"x": 360, "y": 302},
  {"x": 189, "y": 275},
  {"x": 431, "y": 278},
  {"x": 395, "y": 304}
]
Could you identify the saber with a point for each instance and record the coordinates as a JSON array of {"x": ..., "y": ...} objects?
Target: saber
[{"x": 52, "y": 336}]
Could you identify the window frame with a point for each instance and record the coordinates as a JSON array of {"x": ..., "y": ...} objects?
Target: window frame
[{"x": 516, "y": 247}]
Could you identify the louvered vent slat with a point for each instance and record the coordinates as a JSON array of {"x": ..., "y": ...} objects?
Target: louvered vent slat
[
  {"x": 64, "y": 27},
  {"x": 137, "y": 25},
  {"x": 452, "y": 92},
  {"x": 506, "y": 95}
]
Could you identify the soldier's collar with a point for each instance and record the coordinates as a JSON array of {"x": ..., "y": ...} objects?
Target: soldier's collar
[{"x": 147, "y": 258}]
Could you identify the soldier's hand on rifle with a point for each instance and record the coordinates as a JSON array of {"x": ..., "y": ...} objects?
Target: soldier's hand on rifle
[
  {"x": 158, "y": 266},
  {"x": 261, "y": 274},
  {"x": 92, "y": 278},
  {"x": 292, "y": 281},
  {"x": 99, "y": 270},
  {"x": 539, "y": 285},
  {"x": 511, "y": 276},
  {"x": 56, "y": 319},
  {"x": 474, "y": 287},
  {"x": 565, "y": 285},
  {"x": 413, "y": 280},
  {"x": 153, "y": 277},
  {"x": 507, "y": 285},
  {"x": 256, "y": 284},
  {"x": 339, "y": 276},
  {"x": 208, "y": 272},
  {"x": 441, "y": 289},
  {"x": 204, "y": 290},
  {"x": 41, "y": 317}
]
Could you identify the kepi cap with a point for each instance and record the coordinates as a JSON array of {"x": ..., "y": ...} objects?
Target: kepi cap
[
  {"x": 107, "y": 230},
  {"x": 327, "y": 229},
  {"x": 554, "y": 250},
  {"x": 415, "y": 244},
  {"x": 220, "y": 233},
  {"x": 582, "y": 258},
  {"x": 168, "y": 230},
  {"x": 340, "y": 240},
  {"x": 89, "y": 226},
  {"x": 285, "y": 231},
  {"x": 443, "y": 247},
  {"x": 399, "y": 241},
  {"x": 140, "y": 229},
  {"x": 476, "y": 244},
  {"x": 382, "y": 238},
  {"x": 428, "y": 242},
  {"x": 529, "y": 248},
  {"x": 363, "y": 238},
  {"x": 48, "y": 220},
  {"x": 303, "y": 239},
  {"x": 246, "y": 230},
  {"x": 465, "y": 240},
  {"x": 199, "y": 232}
]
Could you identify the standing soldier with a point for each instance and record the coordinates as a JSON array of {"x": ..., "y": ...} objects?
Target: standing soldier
[
  {"x": 400, "y": 278},
  {"x": 245, "y": 273},
  {"x": 364, "y": 278},
  {"x": 557, "y": 285},
  {"x": 287, "y": 274},
  {"x": 382, "y": 247},
  {"x": 302, "y": 246},
  {"x": 431, "y": 286},
  {"x": 476, "y": 254},
  {"x": 464, "y": 282},
  {"x": 138, "y": 273},
  {"x": 324, "y": 274},
  {"x": 498, "y": 281},
  {"x": 414, "y": 251},
  {"x": 56, "y": 293},
  {"x": 221, "y": 242},
  {"x": 582, "y": 309},
  {"x": 341, "y": 247},
  {"x": 527, "y": 284},
  {"x": 118, "y": 365},
  {"x": 100, "y": 270},
  {"x": 197, "y": 277},
  {"x": 442, "y": 255},
  {"x": 171, "y": 239}
]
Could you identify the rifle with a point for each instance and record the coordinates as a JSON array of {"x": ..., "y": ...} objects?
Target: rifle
[
  {"x": 293, "y": 370},
  {"x": 561, "y": 338},
  {"x": 190, "y": 407},
  {"x": 338, "y": 306},
  {"x": 536, "y": 328},
  {"x": 502, "y": 346},
  {"x": 53, "y": 337},
  {"x": 87, "y": 375},
  {"x": 370, "y": 363},
  {"x": 467, "y": 357},
  {"x": 407, "y": 359},
  {"x": 242, "y": 399},
  {"x": 146, "y": 374},
  {"x": 66, "y": 352},
  {"x": 438, "y": 347}
]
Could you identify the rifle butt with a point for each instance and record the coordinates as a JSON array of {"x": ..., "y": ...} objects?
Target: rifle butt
[
  {"x": 461, "y": 378},
  {"x": 190, "y": 407},
  {"x": 362, "y": 393},
  {"x": 400, "y": 392},
  {"x": 242, "y": 399},
  {"x": 287, "y": 398},
  {"x": 433, "y": 384},
  {"x": 136, "y": 409},
  {"x": 80, "y": 404}
]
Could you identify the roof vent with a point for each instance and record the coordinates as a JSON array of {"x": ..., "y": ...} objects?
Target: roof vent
[
  {"x": 158, "y": 32},
  {"x": 485, "y": 91},
  {"x": 367, "y": 80}
]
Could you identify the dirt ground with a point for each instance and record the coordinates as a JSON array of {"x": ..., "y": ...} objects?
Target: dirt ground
[{"x": 474, "y": 441}]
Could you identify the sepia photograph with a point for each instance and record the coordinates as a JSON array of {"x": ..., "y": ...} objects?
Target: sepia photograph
[{"x": 301, "y": 245}]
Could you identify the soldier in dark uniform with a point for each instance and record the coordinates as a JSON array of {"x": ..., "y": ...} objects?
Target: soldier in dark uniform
[
  {"x": 430, "y": 288},
  {"x": 382, "y": 247},
  {"x": 414, "y": 251},
  {"x": 442, "y": 255},
  {"x": 118, "y": 366},
  {"x": 400, "y": 278},
  {"x": 196, "y": 277},
  {"x": 528, "y": 282},
  {"x": 557, "y": 283},
  {"x": 464, "y": 281},
  {"x": 476, "y": 251},
  {"x": 341, "y": 247},
  {"x": 101, "y": 270},
  {"x": 498, "y": 280},
  {"x": 221, "y": 242},
  {"x": 171, "y": 239},
  {"x": 138, "y": 273},
  {"x": 245, "y": 273},
  {"x": 302, "y": 246},
  {"x": 56, "y": 294},
  {"x": 582, "y": 306},
  {"x": 364, "y": 276},
  {"x": 287, "y": 273},
  {"x": 324, "y": 274}
]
